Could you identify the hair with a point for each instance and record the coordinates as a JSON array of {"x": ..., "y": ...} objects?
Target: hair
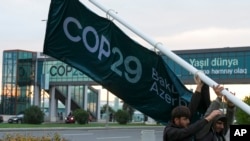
[
  {"x": 222, "y": 118},
  {"x": 180, "y": 111}
]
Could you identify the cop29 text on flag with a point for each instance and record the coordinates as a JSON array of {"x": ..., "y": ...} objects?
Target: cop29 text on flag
[{"x": 98, "y": 48}]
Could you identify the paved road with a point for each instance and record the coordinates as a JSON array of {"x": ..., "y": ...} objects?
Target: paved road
[{"x": 95, "y": 134}]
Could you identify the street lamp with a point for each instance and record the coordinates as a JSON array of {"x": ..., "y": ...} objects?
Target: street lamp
[
  {"x": 107, "y": 109},
  {"x": 45, "y": 77}
]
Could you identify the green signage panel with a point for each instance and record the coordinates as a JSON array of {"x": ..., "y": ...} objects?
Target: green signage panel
[{"x": 224, "y": 65}]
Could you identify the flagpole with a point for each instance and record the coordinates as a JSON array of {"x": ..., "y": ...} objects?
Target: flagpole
[{"x": 174, "y": 57}]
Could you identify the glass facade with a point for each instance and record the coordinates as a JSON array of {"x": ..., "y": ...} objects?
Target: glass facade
[
  {"x": 92, "y": 104},
  {"x": 61, "y": 72},
  {"x": 17, "y": 81},
  {"x": 22, "y": 71}
]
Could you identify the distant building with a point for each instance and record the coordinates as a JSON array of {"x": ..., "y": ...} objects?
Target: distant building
[{"x": 31, "y": 78}]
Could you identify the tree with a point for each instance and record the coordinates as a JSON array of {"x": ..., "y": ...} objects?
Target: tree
[
  {"x": 129, "y": 109},
  {"x": 103, "y": 109},
  {"x": 241, "y": 116}
]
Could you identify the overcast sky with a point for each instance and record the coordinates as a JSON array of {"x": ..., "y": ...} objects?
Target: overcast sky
[{"x": 178, "y": 24}]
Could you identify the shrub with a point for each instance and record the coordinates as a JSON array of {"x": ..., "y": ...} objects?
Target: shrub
[
  {"x": 122, "y": 116},
  {"x": 33, "y": 115},
  {"x": 19, "y": 137},
  {"x": 81, "y": 116},
  {"x": 241, "y": 116}
]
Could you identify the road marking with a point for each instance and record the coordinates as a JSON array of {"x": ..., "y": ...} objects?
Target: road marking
[
  {"x": 83, "y": 134},
  {"x": 106, "y": 138}
]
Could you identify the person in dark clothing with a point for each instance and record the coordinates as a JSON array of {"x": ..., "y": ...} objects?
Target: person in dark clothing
[
  {"x": 200, "y": 100},
  {"x": 111, "y": 117},
  {"x": 216, "y": 129},
  {"x": 179, "y": 128}
]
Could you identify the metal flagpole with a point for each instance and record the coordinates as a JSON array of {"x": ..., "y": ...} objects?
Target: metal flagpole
[{"x": 175, "y": 58}]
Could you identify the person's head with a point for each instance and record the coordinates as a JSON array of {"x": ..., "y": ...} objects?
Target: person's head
[
  {"x": 219, "y": 124},
  {"x": 180, "y": 116}
]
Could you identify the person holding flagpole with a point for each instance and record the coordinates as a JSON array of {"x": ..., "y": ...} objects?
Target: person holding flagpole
[
  {"x": 179, "y": 129},
  {"x": 217, "y": 128}
]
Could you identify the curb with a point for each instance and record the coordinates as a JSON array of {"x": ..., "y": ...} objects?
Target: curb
[{"x": 77, "y": 128}]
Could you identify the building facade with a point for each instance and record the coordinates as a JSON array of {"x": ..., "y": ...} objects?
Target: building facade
[{"x": 31, "y": 78}]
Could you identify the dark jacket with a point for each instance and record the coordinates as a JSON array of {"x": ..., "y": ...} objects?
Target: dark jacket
[
  {"x": 175, "y": 133},
  {"x": 200, "y": 101},
  {"x": 207, "y": 133}
]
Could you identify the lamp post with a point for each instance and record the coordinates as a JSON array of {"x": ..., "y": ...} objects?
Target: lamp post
[
  {"x": 43, "y": 77},
  {"x": 107, "y": 110}
]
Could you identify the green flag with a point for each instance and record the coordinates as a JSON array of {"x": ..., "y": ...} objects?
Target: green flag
[{"x": 98, "y": 48}]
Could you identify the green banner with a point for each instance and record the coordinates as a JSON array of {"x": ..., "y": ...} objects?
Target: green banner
[{"x": 98, "y": 48}]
